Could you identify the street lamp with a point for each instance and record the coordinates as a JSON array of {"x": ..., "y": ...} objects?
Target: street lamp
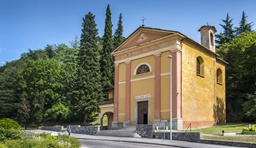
[{"x": 170, "y": 57}]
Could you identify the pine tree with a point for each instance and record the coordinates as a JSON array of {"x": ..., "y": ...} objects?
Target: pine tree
[
  {"x": 243, "y": 25},
  {"x": 87, "y": 91},
  {"x": 118, "y": 36},
  {"x": 229, "y": 33},
  {"x": 107, "y": 60}
]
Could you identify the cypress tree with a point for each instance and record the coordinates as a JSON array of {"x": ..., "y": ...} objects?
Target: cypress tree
[
  {"x": 118, "y": 36},
  {"x": 87, "y": 90},
  {"x": 243, "y": 25},
  {"x": 107, "y": 61},
  {"x": 229, "y": 33}
]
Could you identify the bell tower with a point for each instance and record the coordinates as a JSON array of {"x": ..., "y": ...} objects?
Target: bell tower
[{"x": 208, "y": 37}]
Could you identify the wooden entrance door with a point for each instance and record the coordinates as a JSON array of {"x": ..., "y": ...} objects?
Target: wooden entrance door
[{"x": 142, "y": 112}]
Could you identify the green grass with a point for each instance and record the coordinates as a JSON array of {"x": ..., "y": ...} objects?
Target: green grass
[
  {"x": 251, "y": 139},
  {"x": 228, "y": 128}
]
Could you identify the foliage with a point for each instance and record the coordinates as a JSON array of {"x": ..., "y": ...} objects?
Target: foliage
[
  {"x": 107, "y": 60},
  {"x": 118, "y": 36},
  {"x": 6, "y": 134},
  {"x": 43, "y": 140},
  {"x": 249, "y": 131},
  {"x": 87, "y": 89},
  {"x": 58, "y": 112},
  {"x": 249, "y": 106},
  {"x": 7, "y": 91},
  {"x": 240, "y": 72},
  {"x": 229, "y": 33},
  {"x": 39, "y": 82},
  {"x": 243, "y": 25},
  {"x": 7, "y": 123}
]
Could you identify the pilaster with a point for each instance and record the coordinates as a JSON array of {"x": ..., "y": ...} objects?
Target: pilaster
[
  {"x": 128, "y": 91},
  {"x": 116, "y": 92},
  {"x": 176, "y": 85},
  {"x": 157, "y": 115}
]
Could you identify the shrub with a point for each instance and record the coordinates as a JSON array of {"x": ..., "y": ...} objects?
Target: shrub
[
  {"x": 9, "y": 129},
  {"x": 249, "y": 131},
  {"x": 7, "y": 123},
  {"x": 6, "y": 134}
]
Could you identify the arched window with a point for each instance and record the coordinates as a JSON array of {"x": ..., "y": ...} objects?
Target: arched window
[
  {"x": 143, "y": 68},
  {"x": 199, "y": 66},
  {"x": 211, "y": 38},
  {"x": 219, "y": 76}
]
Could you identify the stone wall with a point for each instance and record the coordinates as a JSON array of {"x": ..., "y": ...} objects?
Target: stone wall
[
  {"x": 116, "y": 126},
  {"x": 90, "y": 130},
  {"x": 144, "y": 130},
  {"x": 53, "y": 128},
  {"x": 192, "y": 137}
]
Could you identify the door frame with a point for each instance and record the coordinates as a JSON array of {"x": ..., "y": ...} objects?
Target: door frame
[{"x": 136, "y": 110}]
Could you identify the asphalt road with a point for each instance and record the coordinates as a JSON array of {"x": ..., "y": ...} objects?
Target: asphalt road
[{"x": 115, "y": 144}]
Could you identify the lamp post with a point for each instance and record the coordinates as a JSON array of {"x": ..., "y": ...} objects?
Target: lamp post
[{"x": 170, "y": 57}]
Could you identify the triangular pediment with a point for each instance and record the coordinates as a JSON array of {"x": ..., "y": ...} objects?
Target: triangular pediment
[{"x": 143, "y": 35}]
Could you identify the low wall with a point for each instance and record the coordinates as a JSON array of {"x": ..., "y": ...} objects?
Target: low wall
[
  {"x": 116, "y": 126},
  {"x": 52, "y": 128},
  {"x": 191, "y": 136},
  {"x": 144, "y": 130},
  {"x": 89, "y": 130}
]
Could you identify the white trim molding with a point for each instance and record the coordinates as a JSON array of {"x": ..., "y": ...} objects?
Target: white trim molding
[
  {"x": 165, "y": 74},
  {"x": 138, "y": 97},
  {"x": 143, "y": 63},
  {"x": 122, "y": 82},
  {"x": 138, "y": 79}
]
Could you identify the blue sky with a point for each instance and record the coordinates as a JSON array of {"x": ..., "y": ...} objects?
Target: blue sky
[{"x": 32, "y": 24}]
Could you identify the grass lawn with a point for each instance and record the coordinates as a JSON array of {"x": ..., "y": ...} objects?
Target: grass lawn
[
  {"x": 228, "y": 128},
  {"x": 244, "y": 138}
]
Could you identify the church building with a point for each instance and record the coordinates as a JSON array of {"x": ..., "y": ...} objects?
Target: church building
[{"x": 162, "y": 74}]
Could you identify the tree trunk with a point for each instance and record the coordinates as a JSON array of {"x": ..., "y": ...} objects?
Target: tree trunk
[{"x": 85, "y": 119}]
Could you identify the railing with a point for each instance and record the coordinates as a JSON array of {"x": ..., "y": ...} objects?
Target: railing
[{"x": 189, "y": 126}]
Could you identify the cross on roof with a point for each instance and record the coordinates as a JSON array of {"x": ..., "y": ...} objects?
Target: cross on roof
[{"x": 143, "y": 19}]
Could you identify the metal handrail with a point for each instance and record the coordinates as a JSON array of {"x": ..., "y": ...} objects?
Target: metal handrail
[{"x": 188, "y": 127}]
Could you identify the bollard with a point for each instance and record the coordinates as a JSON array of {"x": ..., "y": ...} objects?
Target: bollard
[{"x": 222, "y": 132}]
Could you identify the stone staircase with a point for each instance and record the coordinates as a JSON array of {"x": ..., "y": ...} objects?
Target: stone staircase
[{"x": 124, "y": 132}]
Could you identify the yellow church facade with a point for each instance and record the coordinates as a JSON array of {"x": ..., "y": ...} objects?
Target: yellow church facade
[{"x": 155, "y": 66}]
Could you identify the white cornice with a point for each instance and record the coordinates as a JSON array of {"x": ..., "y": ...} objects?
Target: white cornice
[{"x": 173, "y": 48}]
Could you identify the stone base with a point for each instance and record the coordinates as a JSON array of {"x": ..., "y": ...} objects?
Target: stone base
[
  {"x": 126, "y": 124},
  {"x": 156, "y": 120},
  {"x": 116, "y": 125},
  {"x": 177, "y": 124}
]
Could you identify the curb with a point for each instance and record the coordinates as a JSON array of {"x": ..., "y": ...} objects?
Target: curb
[{"x": 133, "y": 142}]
